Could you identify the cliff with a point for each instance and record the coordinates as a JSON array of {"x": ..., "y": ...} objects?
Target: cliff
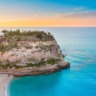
[{"x": 30, "y": 53}]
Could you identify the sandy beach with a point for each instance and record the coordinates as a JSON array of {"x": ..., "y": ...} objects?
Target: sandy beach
[{"x": 4, "y": 79}]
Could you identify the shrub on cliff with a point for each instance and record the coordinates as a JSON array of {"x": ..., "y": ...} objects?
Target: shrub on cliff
[
  {"x": 2, "y": 47},
  {"x": 36, "y": 34}
]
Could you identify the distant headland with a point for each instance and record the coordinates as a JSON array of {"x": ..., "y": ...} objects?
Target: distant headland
[{"x": 24, "y": 53}]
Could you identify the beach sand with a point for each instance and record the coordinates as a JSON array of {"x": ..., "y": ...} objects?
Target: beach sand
[{"x": 4, "y": 79}]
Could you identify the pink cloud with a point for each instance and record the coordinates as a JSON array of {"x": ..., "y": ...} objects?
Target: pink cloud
[{"x": 78, "y": 14}]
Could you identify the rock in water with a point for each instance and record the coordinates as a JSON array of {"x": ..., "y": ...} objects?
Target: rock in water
[{"x": 30, "y": 53}]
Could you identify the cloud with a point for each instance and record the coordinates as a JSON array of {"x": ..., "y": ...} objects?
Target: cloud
[
  {"x": 76, "y": 9},
  {"x": 81, "y": 14}
]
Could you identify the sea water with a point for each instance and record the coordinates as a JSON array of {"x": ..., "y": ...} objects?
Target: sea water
[{"x": 79, "y": 46}]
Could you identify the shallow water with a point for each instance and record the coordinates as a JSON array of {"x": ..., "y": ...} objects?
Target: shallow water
[{"x": 79, "y": 46}]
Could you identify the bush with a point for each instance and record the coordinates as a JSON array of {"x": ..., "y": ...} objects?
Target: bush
[
  {"x": 53, "y": 61},
  {"x": 2, "y": 47},
  {"x": 38, "y": 34}
]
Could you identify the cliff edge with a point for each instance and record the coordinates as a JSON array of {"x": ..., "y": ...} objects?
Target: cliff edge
[{"x": 30, "y": 53}]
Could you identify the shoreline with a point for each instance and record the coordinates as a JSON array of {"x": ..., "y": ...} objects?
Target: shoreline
[
  {"x": 6, "y": 77},
  {"x": 4, "y": 81},
  {"x": 31, "y": 71}
]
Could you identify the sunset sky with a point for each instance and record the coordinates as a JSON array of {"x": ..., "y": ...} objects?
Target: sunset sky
[{"x": 49, "y": 13}]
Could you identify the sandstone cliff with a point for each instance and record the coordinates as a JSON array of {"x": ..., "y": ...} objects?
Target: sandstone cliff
[{"x": 30, "y": 53}]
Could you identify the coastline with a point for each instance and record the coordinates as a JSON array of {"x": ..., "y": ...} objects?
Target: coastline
[
  {"x": 30, "y": 71},
  {"x": 4, "y": 81},
  {"x": 6, "y": 77},
  {"x": 48, "y": 69}
]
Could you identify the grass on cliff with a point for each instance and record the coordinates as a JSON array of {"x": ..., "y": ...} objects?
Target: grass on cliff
[
  {"x": 12, "y": 38},
  {"x": 51, "y": 61},
  {"x": 34, "y": 35}
]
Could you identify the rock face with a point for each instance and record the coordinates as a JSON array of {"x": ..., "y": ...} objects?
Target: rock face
[
  {"x": 30, "y": 53},
  {"x": 47, "y": 69},
  {"x": 38, "y": 51}
]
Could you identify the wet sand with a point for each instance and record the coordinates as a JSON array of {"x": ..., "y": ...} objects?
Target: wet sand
[{"x": 4, "y": 79}]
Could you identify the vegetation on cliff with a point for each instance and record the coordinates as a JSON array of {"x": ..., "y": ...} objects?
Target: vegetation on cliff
[
  {"x": 12, "y": 38},
  {"x": 28, "y": 51},
  {"x": 28, "y": 35},
  {"x": 41, "y": 63}
]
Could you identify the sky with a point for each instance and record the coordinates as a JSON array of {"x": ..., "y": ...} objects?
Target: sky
[{"x": 47, "y": 13}]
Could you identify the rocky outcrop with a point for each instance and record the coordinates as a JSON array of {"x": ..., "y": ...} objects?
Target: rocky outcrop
[
  {"x": 38, "y": 51},
  {"x": 43, "y": 70},
  {"x": 22, "y": 54}
]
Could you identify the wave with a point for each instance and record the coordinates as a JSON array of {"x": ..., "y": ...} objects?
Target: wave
[
  {"x": 6, "y": 92},
  {"x": 79, "y": 58}
]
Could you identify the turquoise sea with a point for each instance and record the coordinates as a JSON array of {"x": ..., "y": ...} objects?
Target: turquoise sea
[{"x": 79, "y": 46}]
